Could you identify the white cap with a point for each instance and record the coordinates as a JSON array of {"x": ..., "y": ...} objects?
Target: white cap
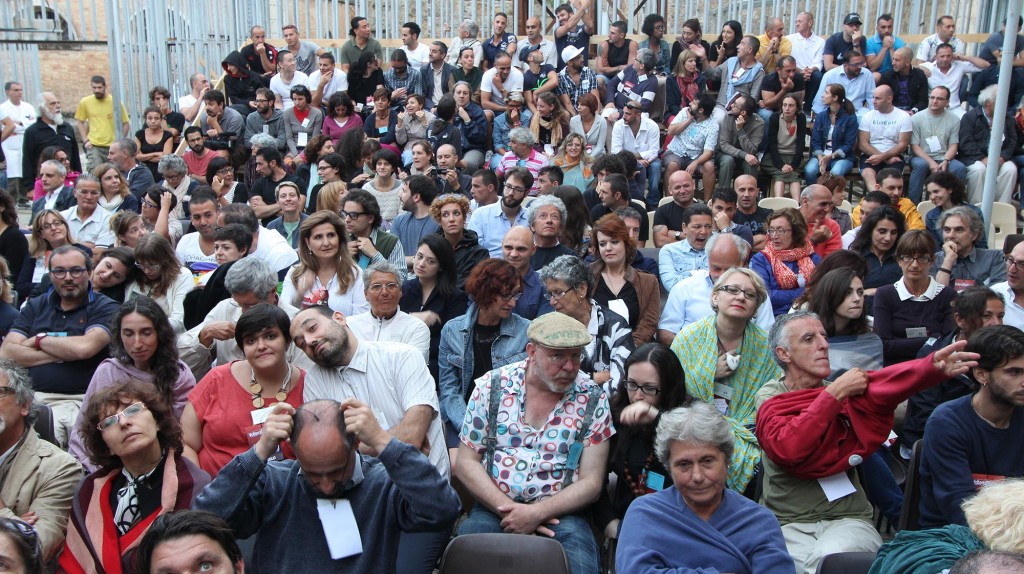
[{"x": 570, "y": 52}]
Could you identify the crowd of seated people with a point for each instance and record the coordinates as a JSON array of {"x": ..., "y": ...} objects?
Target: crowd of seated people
[{"x": 445, "y": 281}]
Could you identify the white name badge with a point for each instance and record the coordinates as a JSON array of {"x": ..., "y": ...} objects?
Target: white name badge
[
  {"x": 724, "y": 391},
  {"x": 301, "y": 139},
  {"x": 340, "y": 528},
  {"x": 259, "y": 416},
  {"x": 305, "y": 123},
  {"x": 933, "y": 144},
  {"x": 836, "y": 486},
  {"x": 915, "y": 332}
]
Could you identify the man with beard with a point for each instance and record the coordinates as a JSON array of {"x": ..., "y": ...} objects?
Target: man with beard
[
  {"x": 195, "y": 250},
  {"x": 393, "y": 381},
  {"x": 364, "y": 507},
  {"x": 385, "y": 321},
  {"x": 37, "y": 482},
  {"x": 266, "y": 119},
  {"x": 271, "y": 172},
  {"x": 976, "y": 439},
  {"x": 491, "y": 222},
  {"x": 49, "y": 129},
  {"x": 414, "y": 222},
  {"x": 197, "y": 157},
  {"x": 495, "y": 466},
  {"x": 140, "y": 179},
  {"x": 61, "y": 336},
  {"x": 95, "y": 115}
]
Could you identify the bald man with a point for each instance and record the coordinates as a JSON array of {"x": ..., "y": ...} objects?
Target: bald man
[
  {"x": 535, "y": 41},
  {"x": 668, "y": 218},
  {"x": 884, "y": 136},
  {"x": 517, "y": 248},
  {"x": 774, "y": 45},
  {"x": 909, "y": 85}
]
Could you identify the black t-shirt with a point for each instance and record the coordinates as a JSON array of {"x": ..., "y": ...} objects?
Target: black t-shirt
[
  {"x": 772, "y": 84},
  {"x": 533, "y": 82},
  {"x": 628, "y": 295},
  {"x": 600, "y": 211},
  {"x": 545, "y": 255},
  {"x": 483, "y": 340},
  {"x": 252, "y": 59},
  {"x": 671, "y": 215},
  {"x": 755, "y": 221},
  {"x": 175, "y": 121},
  {"x": 836, "y": 45}
]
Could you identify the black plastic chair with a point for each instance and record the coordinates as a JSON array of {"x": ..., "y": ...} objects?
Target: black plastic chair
[
  {"x": 910, "y": 514},
  {"x": 44, "y": 423},
  {"x": 846, "y": 563},
  {"x": 504, "y": 554}
]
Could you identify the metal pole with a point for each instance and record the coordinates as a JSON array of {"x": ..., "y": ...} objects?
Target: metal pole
[
  {"x": 999, "y": 115},
  {"x": 114, "y": 47}
]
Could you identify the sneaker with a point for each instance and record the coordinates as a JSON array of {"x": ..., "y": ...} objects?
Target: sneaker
[{"x": 24, "y": 202}]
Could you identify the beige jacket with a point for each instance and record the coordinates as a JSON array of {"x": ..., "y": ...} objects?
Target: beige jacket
[{"x": 41, "y": 478}]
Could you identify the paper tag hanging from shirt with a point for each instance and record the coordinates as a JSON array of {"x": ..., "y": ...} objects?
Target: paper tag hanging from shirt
[{"x": 340, "y": 528}]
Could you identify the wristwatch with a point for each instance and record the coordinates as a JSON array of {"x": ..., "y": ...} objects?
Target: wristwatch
[
  {"x": 679, "y": 235},
  {"x": 39, "y": 338}
]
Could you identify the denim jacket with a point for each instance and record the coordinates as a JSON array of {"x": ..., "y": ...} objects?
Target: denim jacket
[
  {"x": 844, "y": 136},
  {"x": 455, "y": 359}
]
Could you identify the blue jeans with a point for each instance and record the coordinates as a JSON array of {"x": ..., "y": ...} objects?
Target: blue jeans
[
  {"x": 653, "y": 184},
  {"x": 837, "y": 167},
  {"x": 919, "y": 172},
  {"x": 881, "y": 486},
  {"x": 418, "y": 552},
  {"x": 572, "y": 531}
]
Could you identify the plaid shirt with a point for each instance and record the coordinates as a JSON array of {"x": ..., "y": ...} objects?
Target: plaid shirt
[
  {"x": 588, "y": 82},
  {"x": 412, "y": 82}
]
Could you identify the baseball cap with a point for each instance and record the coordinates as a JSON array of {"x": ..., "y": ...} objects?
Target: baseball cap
[
  {"x": 853, "y": 18},
  {"x": 570, "y": 52},
  {"x": 557, "y": 331}
]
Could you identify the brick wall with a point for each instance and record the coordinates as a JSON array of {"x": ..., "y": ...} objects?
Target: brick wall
[{"x": 66, "y": 70}]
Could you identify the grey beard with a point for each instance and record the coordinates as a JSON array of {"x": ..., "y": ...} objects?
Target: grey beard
[{"x": 57, "y": 119}]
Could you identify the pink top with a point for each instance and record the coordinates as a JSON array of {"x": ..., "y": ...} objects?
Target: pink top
[
  {"x": 224, "y": 409},
  {"x": 332, "y": 130}
]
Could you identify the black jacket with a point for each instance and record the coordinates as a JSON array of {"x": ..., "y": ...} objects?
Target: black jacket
[
  {"x": 240, "y": 89},
  {"x": 447, "y": 82},
  {"x": 40, "y": 135},
  {"x": 974, "y": 134},
  {"x": 918, "y": 87}
]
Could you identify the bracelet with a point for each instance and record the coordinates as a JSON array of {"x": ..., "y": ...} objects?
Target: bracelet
[{"x": 943, "y": 270}]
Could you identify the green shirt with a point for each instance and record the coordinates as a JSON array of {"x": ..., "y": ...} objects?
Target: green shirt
[{"x": 350, "y": 52}]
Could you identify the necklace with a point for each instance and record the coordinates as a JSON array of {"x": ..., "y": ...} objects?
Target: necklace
[
  {"x": 257, "y": 390},
  {"x": 639, "y": 486}
]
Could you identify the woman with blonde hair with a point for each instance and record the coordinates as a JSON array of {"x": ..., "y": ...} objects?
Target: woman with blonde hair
[
  {"x": 325, "y": 273},
  {"x": 128, "y": 228},
  {"x": 163, "y": 278},
  {"x": 114, "y": 193},
  {"x": 575, "y": 161},
  {"x": 995, "y": 521},
  {"x": 550, "y": 124},
  {"x": 332, "y": 197}
]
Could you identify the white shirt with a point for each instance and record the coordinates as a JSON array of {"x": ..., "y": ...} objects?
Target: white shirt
[
  {"x": 950, "y": 80},
  {"x": 191, "y": 255},
  {"x": 351, "y": 302},
  {"x": 402, "y": 328},
  {"x": 808, "y": 52},
  {"x": 690, "y": 301},
  {"x": 933, "y": 289},
  {"x": 644, "y": 142},
  {"x": 227, "y": 350},
  {"x": 338, "y": 83},
  {"x": 172, "y": 301},
  {"x": 885, "y": 129},
  {"x": 546, "y": 47},
  {"x": 94, "y": 229},
  {"x": 23, "y": 115},
  {"x": 389, "y": 377},
  {"x": 514, "y": 83},
  {"x": 284, "y": 90},
  {"x": 420, "y": 56},
  {"x": 1014, "y": 312},
  {"x": 274, "y": 249},
  {"x": 186, "y": 101},
  {"x": 849, "y": 236}
]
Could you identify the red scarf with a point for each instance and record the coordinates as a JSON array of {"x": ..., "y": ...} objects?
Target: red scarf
[
  {"x": 688, "y": 88},
  {"x": 784, "y": 276}
]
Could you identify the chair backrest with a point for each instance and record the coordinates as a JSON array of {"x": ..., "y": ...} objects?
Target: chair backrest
[
  {"x": 504, "y": 554},
  {"x": 846, "y": 563},
  {"x": 924, "y": 207},
  {"x": 666, "y": 199},
  {"x": 1004, "y": 223},
  {"x": 845, "y": 206},
  {"x": 650, "y": 226},
  {"x": 774, "y": 203},
  {"x": 44, "y": 423},
  {"x": 911, "y": 512},
  {"x": 638, "y": 205}
]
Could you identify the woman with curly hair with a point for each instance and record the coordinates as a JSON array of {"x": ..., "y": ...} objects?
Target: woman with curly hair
[
  {"x": 451, "y": 212},
  {"x": 133, "y": 437},
  {"x": 325, "y": 273},
  {"x": 488, "y": 336},
  {"x": 575, "y": 161},
  {"x": 163, "y": 278},
  {"x": 143, "y": 348},
  {"x": 316, "y": 148}
]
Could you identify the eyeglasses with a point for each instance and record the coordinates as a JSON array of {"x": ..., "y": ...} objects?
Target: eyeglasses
[
  {"x": 378, "y": 287},
  {"x": 511, "y": 298},
  {"x": 561, "y": 357},
  {"x": 259, "y": 101},
  {"x": 779, "y": 231},
  {"x": 921, "y": 259},
  {"x": 352, "y": 214},
  {"x": 148, "y": 266},
  {"x": 556, "y": 295},
  {"x": 648, "y": 390},
  {"x": 129, "y": 411},
  {"x": 515, "y": 189},
  {"x": 49, "y": 226},
  {"x": 24, "y": 531},
  {"x": 61, "y": 273},
  {"x": 734, "y": 290},
  {"x": 148, "y": 203},
  {"x": 1011, "y": 262},
  {"x": 224, "y": 170}
]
